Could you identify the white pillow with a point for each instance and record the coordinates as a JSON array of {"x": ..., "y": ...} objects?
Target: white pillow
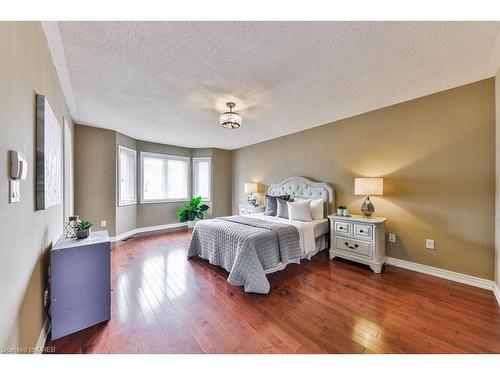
[
  {"x": 317, "y": 207},
  {"x": 299, "y": 210},
  {"x": 282, "y": 208}
]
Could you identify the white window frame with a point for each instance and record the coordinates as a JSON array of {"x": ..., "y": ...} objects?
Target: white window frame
[
  {"x": 202, "y": 158},
  {"x": 164, "y": 156},
  {"x": 121, "y": 202}
]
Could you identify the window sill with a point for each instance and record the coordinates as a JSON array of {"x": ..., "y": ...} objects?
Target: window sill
[
  {"x": 165, "y": 201},
  {"x": 124, "y": 204}
]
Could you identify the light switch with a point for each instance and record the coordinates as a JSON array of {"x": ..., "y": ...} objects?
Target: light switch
[
  {"x": 14, "y": 194},
  {"x": 103, "y": 223},
  {"x": 392, "y": 237}
]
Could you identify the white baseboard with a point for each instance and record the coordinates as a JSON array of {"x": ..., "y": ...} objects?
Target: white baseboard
[
  {"x": 154, "y": 228},
  {"x": 444, "y": 274},
  {"x": 496, "y": 292},
  {"x": 42, "y": 339}
]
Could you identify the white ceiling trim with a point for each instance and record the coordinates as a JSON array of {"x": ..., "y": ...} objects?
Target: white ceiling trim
[{"x": 51, "y": 30}]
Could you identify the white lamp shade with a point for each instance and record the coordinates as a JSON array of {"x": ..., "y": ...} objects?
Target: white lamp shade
[
  {"x": 251, "y": 187},
  {"x": 368, "y": 186}
]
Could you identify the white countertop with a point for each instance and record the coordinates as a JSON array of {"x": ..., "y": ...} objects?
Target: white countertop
[
  {"x": 360, "y": 218},
  {"x": 95, "y": 237}
]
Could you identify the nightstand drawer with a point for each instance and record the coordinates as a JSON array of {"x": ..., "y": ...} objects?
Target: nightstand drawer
[
  {"x": 249, "y": 210},
  {"x": 353, "y": 246},
  {"x": 343, "y": 227},
  {"x": 363, "y": 231}
]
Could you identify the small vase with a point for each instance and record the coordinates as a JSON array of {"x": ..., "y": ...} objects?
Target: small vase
[
  {"x": 341, "y": 212},
  {"x": 82, "y": 233}
]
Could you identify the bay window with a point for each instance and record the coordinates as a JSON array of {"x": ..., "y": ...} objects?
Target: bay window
[
  {"x": 126, "y": 176},
  {"x": 202, "y": 178},
  {"x": 163, "y": 177}
]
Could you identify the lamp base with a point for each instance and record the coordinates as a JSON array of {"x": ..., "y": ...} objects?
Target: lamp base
[
  {"x": 252, "y": 200},
  {"x": 367, "y": 208}
]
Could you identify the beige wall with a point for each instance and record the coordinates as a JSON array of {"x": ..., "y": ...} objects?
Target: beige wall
[
  {"x": 436, "y": 154},
  {"x": 497, "y": 190},
  {"x": 26, "y": 68},
  {"x": 96, "y": 160},
  {"x": 95, "y": 176},
  {"x": 151, "y": 214},
  {"x": 221, "y": 184}
]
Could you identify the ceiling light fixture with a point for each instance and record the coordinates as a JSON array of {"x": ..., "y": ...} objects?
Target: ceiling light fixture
[{"x": 230, "y": 120}]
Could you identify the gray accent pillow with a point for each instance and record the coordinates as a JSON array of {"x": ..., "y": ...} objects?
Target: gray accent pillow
[
  {"x": 272, "y": 204},
  {"x": 282, "y": 210}
]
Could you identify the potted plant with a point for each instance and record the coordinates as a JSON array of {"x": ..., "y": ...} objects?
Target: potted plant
[
  {"x": 342, "y": 210},
  {"x": 191, "y": 211},
  {"x": 82, "y": 229}
]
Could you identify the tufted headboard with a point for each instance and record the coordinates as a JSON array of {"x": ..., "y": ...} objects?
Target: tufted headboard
[{"x": 302, "y": 187}]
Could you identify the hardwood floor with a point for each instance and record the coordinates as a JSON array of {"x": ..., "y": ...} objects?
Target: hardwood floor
[{"x": 163, "y": 303}]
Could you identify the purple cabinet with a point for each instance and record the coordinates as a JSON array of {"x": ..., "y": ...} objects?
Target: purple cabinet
[{"x": 80, "y": 285}]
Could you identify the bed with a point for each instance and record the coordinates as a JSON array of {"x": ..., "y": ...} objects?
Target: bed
[{"x": 250, "y": 247}]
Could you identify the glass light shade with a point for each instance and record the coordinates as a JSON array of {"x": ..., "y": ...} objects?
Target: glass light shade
[
  {"x": 230, "y": 120},
  {"x": 251, "y": 187},
  {"x": 368, "y": 186}
]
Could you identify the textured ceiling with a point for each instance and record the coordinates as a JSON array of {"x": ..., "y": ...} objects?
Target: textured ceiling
[{"x": 168, "y": 81}]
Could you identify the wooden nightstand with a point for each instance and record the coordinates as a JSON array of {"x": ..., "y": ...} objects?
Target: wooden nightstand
[
  {"x": 246, "y": 209},
  {"x": 358, "y": 238}
]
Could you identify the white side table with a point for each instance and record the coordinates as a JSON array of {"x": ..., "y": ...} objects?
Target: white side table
[
  {"x": 359, "y": 239},
  {"x": 246, "y": 209}
]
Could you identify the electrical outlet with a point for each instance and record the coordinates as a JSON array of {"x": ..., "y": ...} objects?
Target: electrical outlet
[
  {"x": 45, "y": 297},
  {"x": 429, "y": 244},
  {"x": 392, "y": 237},
  {"x": 103, "y": 223}
]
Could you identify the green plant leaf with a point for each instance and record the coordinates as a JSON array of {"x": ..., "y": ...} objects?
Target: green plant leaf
[
  {"x": 180, "y": 211},
  {"x": 204, "y": 207},
  {"x": 184, "y": 217},
  {"x": 197, "y": 200},
  {"x": 83, "y": 225},
  {"x": 200, "y": 215},
  {"x": 191, "y": 215}
]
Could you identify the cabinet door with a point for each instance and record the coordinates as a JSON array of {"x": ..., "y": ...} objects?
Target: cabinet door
[{"x": 80, "y": 287}]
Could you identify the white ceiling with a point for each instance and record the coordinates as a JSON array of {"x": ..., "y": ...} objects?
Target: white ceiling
[{"x": 167, "y": 82}]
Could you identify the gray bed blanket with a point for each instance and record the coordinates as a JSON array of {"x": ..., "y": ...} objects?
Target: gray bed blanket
[{"x": 245, "y": 247}]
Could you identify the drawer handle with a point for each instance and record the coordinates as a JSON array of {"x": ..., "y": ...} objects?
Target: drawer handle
[
  {"x": 351, "y": 247},
  {"x": 341, "y": 227}
]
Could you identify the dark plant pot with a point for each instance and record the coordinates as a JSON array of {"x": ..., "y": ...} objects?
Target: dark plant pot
[{"x": 82, "y": 233}]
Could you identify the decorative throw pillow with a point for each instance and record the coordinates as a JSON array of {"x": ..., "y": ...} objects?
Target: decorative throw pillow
[
  {"x": 282, "y": 210},
  {"x": 299, "y": 210},
  {"x": 272, "y": 204},
  {"x": 317, "y": 207}
]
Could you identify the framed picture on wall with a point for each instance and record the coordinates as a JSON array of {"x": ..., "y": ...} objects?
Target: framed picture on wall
[{"x": 48, "y": 156}]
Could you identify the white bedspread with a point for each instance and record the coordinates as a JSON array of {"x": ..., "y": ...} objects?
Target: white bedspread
[{"x": 305, "y": 229}]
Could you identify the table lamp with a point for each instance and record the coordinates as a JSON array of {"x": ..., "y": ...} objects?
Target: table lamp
[
  {"x": 251, "y": 187},
  {"x": 368, "y": 186}
]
